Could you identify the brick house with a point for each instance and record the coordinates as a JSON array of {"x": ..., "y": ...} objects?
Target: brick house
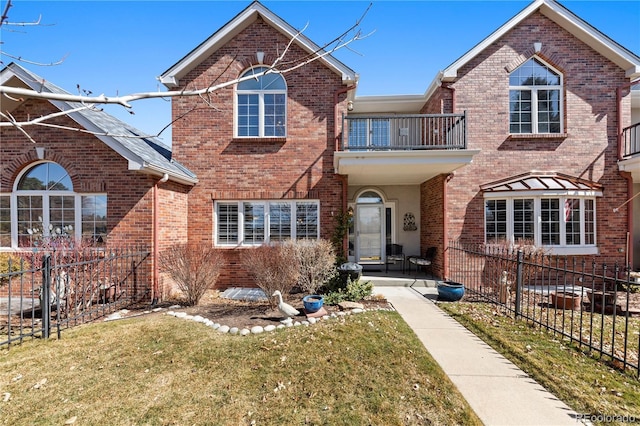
[
  {"x": 109, "y": 189},
  {"x": 443, "y": 161},
  {"x": 529, "y": 135}
]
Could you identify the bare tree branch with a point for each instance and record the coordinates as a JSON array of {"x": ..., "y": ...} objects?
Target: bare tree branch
[
  {"x": 27, "y": 61},
  {"x": 278, "y": 66}
]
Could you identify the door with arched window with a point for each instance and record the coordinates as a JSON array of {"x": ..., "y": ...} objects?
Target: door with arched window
[{"x": 370, "y": 228}]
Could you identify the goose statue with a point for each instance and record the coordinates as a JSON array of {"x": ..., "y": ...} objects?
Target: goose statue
[{"x": 285, "y": 309}]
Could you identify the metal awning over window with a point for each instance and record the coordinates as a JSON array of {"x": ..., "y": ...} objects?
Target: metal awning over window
[{"x": 549, "y": 182}]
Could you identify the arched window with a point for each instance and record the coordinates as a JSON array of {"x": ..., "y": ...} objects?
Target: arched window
[
  {"x": 261, "y": 105},
  {"x": 535, "y": 99},
  {"x": 43, "y": 205}
]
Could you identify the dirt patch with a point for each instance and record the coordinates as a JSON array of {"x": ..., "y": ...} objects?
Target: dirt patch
[{"x": 246, "y": 314}]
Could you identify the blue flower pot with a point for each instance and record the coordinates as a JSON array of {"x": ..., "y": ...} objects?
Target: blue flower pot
[
  {"x": 450, "y": 291},
  {"x": 312, "y": 303}
]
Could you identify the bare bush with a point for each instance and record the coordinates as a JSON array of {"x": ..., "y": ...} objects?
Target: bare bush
[
  {"x": 316, "y": 263},
  {"x": 501, "y": 264},
  {"x": 194, "y": 268},
  {"x": 273, "y": 267}
]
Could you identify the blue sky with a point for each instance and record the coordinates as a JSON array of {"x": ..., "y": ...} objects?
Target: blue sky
[{"x": 120, "y": 47}]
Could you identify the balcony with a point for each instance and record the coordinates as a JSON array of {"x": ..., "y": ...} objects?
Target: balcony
[
  {"x": 630, "y": 151},
  {"x": 401, "y": 149}
]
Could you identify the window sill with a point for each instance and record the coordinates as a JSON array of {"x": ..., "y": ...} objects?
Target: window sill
[
  {"x": 259, "y": 139},
  {"x": 572, "y": 250},
  {"x": 538, "y": 136}
]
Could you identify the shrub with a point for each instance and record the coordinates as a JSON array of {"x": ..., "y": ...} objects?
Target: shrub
[
  {"x": 194, "y": 268},
  {"x": 316, "y": 260},
  {"x": 354, "y": 291},
  {"x": 273, "y": 267},
  {"x": 11, "y": 262}
]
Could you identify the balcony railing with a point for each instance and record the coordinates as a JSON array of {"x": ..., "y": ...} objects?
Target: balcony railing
[
  {"x": 631, "y": 140},
  {"x": 404, "y": 132}
]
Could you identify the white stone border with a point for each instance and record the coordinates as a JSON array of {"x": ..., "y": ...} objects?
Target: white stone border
[{"x": 258, "y": 329}]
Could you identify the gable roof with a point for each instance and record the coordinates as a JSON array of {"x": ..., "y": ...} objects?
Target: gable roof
[
  {"x": 566, "y": 19},
  {"x": 255, "y": 10},
  {"x": 145, "y": 154}
]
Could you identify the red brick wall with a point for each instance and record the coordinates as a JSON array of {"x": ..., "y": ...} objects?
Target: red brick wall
[
  {"x": 93, "y": 167},
  {"x": 298, "y": 166},
  {"x": 588, "y": 151}
]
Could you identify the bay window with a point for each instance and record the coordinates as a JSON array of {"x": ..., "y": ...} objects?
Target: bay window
[{"x": 565, "y": 224}]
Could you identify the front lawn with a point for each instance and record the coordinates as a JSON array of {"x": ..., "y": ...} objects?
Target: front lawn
[{"x": 362, "y": 369}]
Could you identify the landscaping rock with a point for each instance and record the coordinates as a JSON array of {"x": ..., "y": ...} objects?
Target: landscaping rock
[
  {"x": 257, "y": 329},
  {"x": 270, "y": 327},
  {"x": 224, "y": 329},
  {"x": 245, "y": 331},
  {"x": 350, "y": 305},
  {"x": 233, "y": 330}
]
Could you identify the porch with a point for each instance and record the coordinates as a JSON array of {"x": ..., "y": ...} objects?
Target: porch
[{"x": 630, "y": 151}]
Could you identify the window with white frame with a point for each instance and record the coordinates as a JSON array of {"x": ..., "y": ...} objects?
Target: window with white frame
[
  {"x": 261, "y": 105},
  {"x": 43, "y": 205},
  {"x": 566, "y": 223},
  {"x": 264, "y": 221},
  {"x": 535, "y": 99}
]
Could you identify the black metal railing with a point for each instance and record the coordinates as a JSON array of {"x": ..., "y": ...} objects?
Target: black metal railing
[
  {"x": 590, "y": 305},
  {"x": 631, "y": 140},
  {"x": 404, "y": 132},
  {"x": 41, "y": 292}
]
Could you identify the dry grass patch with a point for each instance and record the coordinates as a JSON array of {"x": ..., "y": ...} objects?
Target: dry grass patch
[
  {"x": 584, "y": 383},
  {"x": 362, "y": 369}
]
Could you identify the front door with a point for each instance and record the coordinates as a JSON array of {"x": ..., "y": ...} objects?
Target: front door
[{"x": 369, "y": 233}]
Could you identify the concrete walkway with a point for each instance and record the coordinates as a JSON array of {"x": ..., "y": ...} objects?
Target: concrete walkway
[{"x": 498, "y": 391}]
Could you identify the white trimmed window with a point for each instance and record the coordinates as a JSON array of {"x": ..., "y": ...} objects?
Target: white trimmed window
[
  {"x": 261, "y": 105},
  {"x": 565, "y": 224},
  {"x": 43, "y": 205},
  {"x": 535, "y": 99},
  {"x": 258, "y": 222}
]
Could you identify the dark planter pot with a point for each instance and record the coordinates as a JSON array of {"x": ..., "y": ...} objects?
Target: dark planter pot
[
  {"x": 350, "y": 270},
  {"x": 450, "y": 291},
  {"x": 602, "y": 298},
  {"x": 312, "y": 303},
  {"x": 566, "y": 300}
]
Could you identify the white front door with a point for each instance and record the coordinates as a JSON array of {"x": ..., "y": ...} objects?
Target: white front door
[{"x": 370, "y": 233}]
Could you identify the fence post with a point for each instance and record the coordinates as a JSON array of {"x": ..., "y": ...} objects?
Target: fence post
[
  {"x": 519, "y": 283},
  {"x": 45, "y": 299}
]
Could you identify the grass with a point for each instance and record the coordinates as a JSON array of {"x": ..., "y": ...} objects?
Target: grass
[
  {"x": 362, "y": 369},
  {"x": 584, "y": 383}
]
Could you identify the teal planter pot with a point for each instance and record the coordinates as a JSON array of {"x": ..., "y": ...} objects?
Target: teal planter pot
[
  {"x": 450, "y": 291},
  {"x": 312, "y": 303}
]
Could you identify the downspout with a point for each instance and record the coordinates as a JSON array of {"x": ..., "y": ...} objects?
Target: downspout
[
  {"x": 156, "y": 249},
  {"x": 344, "y": 178},
  {"x": 625, "y": 175},
  {"x": 453, "y": 97},
  {"x": 445, "y": 226}
]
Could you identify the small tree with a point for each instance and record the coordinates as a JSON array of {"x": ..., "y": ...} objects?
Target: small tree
[
  {"x": 316, "y": 260},
  {"x": 273, "y": 267},
  {"x": 194, "y": 268}
]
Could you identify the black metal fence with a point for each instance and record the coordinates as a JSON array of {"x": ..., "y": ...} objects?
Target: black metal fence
[
  {"x": 41, "y": 292},
  {"x": 594, "y": 306}
]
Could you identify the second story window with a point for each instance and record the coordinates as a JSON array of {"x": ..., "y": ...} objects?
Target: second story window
[
  {"x": 535, "y": 99},
  {"x": 261, "y": 105}
]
